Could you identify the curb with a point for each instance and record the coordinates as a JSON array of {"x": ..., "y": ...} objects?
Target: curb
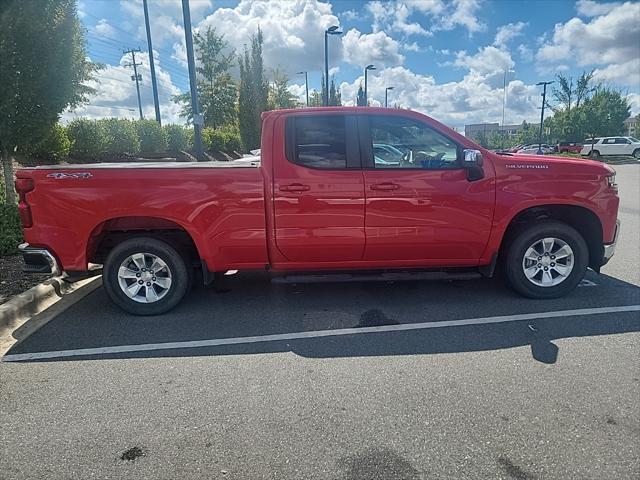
[{"x": 15, "y": 313}]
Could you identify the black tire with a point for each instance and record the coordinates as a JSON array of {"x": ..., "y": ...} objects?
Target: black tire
[
  {"x": 522, "y": 239},
  {"x": 595, "y": 154},
  {"x": 636, "y": 154},
  {"x": 181, "y": 275}
]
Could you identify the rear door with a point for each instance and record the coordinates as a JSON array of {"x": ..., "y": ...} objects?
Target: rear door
[
  {"x": 420, "y": 207},
  {"x": 608, "y": 147},
  {"x": 319, "y": 190}
]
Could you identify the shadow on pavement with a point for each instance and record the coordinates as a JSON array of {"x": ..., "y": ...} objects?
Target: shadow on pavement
[{"x": 248, "y": 305}]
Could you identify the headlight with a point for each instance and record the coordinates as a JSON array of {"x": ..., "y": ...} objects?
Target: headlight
[{"x": 611, "y": 181}]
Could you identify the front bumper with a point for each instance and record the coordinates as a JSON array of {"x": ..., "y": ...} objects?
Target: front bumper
[
  {"x": 610, "y": 248},
  {"x": 38, "y": 260}
]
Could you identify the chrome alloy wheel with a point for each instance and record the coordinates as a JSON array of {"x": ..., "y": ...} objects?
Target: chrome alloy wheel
[
  {"x": 548, "y": 262},
  {"x": 144, "y": 277}
]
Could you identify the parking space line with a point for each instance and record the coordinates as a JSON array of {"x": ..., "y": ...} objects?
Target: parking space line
[{"x": 314, "y": 334}]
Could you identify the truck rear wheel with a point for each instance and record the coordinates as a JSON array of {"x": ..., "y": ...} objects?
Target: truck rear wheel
[
  {"x": 546, "y": 260},
  {"x": 146, "y": 276}
]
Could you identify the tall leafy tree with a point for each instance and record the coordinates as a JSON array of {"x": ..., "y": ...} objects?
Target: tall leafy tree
[
  {"x": 335, "y": 98},
  {"x": 253, "y": 93},
  {"x": 279, "y": 94},
  {"x": 44, "y": 70},
  {"x": 217, "y": 91},
  {"x": 604, "y": 113},
  {"x": 360, "y": 100},
  {"x": 315, "y": 98}
]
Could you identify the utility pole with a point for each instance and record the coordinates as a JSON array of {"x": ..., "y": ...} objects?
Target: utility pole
[
  {"x": 135, "y": 75},
  {"x": 544, "y": 98},
  {"x": 154, "y": 84},
  {"x": 198, "y": 120}
]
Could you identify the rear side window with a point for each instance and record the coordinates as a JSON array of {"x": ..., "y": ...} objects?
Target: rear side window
[
  {"x": 622, "y": 141},
  {"x": 608, "y": 141},
  {"x": 317, "y": 141}
]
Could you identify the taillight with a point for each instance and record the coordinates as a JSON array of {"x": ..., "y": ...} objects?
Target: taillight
[{"x": 24, "y": 186}]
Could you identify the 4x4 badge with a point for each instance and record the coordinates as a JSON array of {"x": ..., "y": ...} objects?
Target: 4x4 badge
[{"x": 61, "y": 175}]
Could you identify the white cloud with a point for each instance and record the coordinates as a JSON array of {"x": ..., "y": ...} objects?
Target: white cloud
[
  {"x": 115, "y": 89},
  {"x": 293, "y": 31},
  {"x": 400, "y": 16},
  {"x": 487, "y": 60},
  {"x": 471, "y": 100},
  {"x": 610, "y": 39},
  {"x": 103, "y": 29},
  {"x": 462, "y": 15},
  {"x": 620, "y": 73},
  {"x": 377, "y": 48},
  {"x": 589, "y": 8},
  {"x": 508, "y": 32},
  {"x": 525, "y": 52}
]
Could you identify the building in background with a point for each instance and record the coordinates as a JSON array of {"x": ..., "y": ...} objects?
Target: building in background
[
  {"x": 631, "y": 125},
  {"x": 476, "y": 129}
]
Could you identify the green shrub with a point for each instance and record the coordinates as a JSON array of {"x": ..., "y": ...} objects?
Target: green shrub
[
  {"x": 225, "y": 139},
  {"x": 213, "y": 139},
  {"x": 10, "y": 229},
  {"x": 152, "y": 137},
  {"x": 50, "y": 149},
  {"x": 121, "y": 136},
  {"x": 177, "y": 137},
  {"x": 88, "y": 139}
]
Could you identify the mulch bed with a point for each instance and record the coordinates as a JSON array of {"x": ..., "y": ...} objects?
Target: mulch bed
[{"x": 13, "y": 280}]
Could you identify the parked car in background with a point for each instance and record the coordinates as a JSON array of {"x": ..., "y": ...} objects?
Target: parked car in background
[
  {"x": 533, "y": 149},
  {"x": 515, "y": 148},
  {"x": 569, "y": 147},
  {"x": 619, "y": 146}
]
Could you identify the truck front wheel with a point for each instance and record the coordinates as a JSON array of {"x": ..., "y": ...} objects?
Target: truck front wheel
[
  {"x": 146, "y": 276},
  {"x": 546, "y": 260}
]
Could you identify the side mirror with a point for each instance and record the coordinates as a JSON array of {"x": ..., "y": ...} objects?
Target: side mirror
[{"x": 472, "y": 162}]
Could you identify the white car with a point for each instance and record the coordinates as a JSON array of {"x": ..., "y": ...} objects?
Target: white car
[
  {"x": 533, "y": 149},
  {"x": 621, "y": 146}
]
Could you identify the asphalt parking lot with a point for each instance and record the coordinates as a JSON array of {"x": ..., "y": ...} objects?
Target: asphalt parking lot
[{"x": 350, "y": 381}]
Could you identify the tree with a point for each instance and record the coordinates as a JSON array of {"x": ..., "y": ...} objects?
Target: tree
[
  {"x": 253, "y": 94},
  {"x": 335, "y": 98},
  {"x": 216, "y": 90},
  {"x": 604, "y": 113},
  {"x": 360, "y": 100},
  {"x": 566, "y": 121},
  {"x": 315, "y": 98},
  {"x": 44, "y": 71},
  {"x": 279, "y": 94}
]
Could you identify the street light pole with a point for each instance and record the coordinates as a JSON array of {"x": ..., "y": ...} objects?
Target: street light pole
[
  {"x": 386, "y": 96},
  {"x": 306, "y": 85},
  {"x": 198, "y": 121},
  {"x": 152, "y": 65},
  {"x": 366, "y": 94},
  {"x": 333, "y": 30},
  {"x": 544, "y": 97}
]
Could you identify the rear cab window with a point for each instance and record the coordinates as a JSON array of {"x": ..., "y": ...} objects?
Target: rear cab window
[{"x": 326, "y": 142}]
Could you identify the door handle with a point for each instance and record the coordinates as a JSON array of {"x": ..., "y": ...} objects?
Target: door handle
[
  {"x": 385, "y": 186},
  {"x": 294, "y": 187}
]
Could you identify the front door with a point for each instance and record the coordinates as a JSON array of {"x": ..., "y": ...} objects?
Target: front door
[
  {"x": 420, "y": 206},
  {"x": 319, "y": 190}
]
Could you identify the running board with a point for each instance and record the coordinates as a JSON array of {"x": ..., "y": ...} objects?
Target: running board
[{"x": 375, "y": 277}]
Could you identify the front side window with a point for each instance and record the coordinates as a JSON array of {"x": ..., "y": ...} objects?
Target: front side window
[
  {"x": 399, "y": 142},
  {"x": 319, "y": 141}
]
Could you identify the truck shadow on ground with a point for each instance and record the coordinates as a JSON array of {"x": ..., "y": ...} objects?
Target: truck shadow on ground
[{"x": 248, "y": 306}]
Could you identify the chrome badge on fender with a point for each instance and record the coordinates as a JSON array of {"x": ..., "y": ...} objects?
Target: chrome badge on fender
[{"x": 61, "y": 176}]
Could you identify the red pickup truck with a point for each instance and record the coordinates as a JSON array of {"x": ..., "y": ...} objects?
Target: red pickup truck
[{"x": 334, "y": 189}]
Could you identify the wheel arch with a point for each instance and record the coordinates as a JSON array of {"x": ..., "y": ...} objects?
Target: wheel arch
[
  {"x": 584, "y": 220},
  {"x": 110, "y": 232}
]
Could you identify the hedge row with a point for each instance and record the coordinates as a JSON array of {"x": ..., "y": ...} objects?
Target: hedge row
[
  {"x": 10, "y": 229},
  {"x": 90, "y": 140}
]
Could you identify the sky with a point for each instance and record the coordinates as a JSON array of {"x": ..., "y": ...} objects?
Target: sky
[{"x": 454, "y": 60}]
